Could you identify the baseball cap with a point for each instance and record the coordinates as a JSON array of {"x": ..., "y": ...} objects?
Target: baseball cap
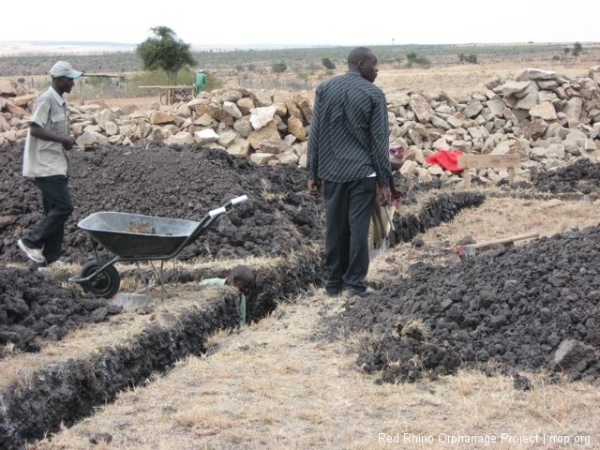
[{"x": 64, "y": 69}]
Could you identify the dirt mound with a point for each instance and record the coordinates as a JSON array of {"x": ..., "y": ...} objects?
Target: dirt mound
[
  {"x": 582, "y": 176},
  {"x": 279, "y": 218},
  {"x": 532, "y": 307},
  {"x": 172, "y": 182},
  {"x": 34, "y": 306}
]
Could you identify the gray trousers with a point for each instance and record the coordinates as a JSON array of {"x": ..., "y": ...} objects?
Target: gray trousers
[{"x": 348, "y": 208}]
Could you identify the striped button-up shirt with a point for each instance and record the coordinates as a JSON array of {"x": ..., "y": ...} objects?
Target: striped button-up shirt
[{"x": 349, "y": 132}]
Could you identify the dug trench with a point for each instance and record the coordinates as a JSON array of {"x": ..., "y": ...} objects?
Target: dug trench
[{"x": 65, "y": 353}]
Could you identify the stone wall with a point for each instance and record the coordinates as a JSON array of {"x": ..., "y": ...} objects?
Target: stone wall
[{"x": 549, "y": 120}]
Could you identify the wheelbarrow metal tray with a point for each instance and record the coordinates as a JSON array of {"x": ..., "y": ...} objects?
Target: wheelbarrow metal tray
[{"x": 116, "y": 232}]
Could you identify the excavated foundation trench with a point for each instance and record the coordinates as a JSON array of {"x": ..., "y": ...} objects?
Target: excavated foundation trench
[
  {"x": 68, "y": 390},
  {"x": 469, "y": 309}
]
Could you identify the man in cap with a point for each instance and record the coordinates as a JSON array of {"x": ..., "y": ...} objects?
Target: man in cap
[
  {"x": 45, "y": 160},
  {"x": 200, "y": 83}
]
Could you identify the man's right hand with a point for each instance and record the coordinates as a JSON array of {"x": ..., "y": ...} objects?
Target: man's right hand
[
  {"x": 385, "y": 196},
  {"x": 68, "y": 142}
]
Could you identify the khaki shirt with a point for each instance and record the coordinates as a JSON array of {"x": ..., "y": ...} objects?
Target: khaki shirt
[{"x": 43, "y": 158}]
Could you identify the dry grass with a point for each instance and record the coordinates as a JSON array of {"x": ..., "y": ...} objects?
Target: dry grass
[{"x": 277, "y": 385}]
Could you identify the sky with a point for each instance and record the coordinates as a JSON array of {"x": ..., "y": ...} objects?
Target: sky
[{"x": 303, "y": 23}]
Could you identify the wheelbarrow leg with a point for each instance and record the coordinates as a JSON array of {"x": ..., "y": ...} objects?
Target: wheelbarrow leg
[
  {"x": 160, "y": 276},
  {"x": 143, "y": 278}
]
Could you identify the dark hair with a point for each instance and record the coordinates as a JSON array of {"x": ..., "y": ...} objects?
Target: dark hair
[{"x": 358, "y": 54}]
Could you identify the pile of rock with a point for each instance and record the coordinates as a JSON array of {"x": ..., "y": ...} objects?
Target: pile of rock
[{"x": 548, "y": 120}]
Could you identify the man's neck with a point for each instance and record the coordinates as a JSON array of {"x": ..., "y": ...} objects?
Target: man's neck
[{"x": 59, "y": 91}]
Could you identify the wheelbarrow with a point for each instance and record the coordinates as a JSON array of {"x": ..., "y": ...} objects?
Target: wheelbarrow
[{"x": 135, "y": 238}]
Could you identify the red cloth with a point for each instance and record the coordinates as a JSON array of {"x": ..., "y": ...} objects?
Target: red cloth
[{"x": 448, "y": 159}]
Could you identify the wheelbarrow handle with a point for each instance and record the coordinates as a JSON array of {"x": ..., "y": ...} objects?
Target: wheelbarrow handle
[
  {"x": 217, "y": 211},
  {"x": 240, "y": 199},
  {"x": 223, "y": 209}
]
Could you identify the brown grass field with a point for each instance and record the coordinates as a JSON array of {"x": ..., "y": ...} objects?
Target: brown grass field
[{"x": 279, "y": 385}]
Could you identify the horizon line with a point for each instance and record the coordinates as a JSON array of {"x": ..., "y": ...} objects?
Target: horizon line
[{"x": 275, "y": 45}]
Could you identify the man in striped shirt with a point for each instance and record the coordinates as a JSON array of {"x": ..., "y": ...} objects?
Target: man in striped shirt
[{"x": 348, "y": 147}]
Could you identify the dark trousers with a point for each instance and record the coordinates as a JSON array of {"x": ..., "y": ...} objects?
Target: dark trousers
[
  {"x": 348, "y": 208},
  {"x": 49, "y": 233}
]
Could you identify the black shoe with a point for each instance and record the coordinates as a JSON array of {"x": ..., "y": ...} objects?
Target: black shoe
[
  {"x": 366, "y": 293},
  {"x": 331, "y": 292}
]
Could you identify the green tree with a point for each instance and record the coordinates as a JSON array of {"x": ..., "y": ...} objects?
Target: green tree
[
  {"x": 279, "y": 67},
  {"x": 328, "y": 64},
  {"x": 411, "y": 57},
  {"x": 164, "y": 51},
  {"x": 577, "y": 49},
  {"x": 471, "y": 59}
]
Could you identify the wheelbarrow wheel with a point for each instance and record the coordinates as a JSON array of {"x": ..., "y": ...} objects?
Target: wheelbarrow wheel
[{"x": 105, "y": 284}]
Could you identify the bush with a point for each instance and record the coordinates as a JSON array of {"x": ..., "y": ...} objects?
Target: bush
[
  {"x": 279, "y": 67},
  {"x": 328, "y": 64},
  {"x": 471, "y": 59},
  {"x": 413, "y": 59}
]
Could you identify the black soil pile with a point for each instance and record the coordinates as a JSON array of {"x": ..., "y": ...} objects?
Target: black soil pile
[
  {"x": 526, "y": 308},
  {"x": 580, "y": 177},
  {"x": 179, "y": 183},
  {"x": 534, "y": 307},
  {"x": 32, "y": 306}
]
